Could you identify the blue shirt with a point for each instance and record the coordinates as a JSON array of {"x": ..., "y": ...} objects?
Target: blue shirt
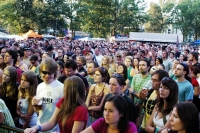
[{"x": 185, "y": 91}]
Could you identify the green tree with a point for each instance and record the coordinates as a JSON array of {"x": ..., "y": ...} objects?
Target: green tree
[{"x": 156, "y": 22}]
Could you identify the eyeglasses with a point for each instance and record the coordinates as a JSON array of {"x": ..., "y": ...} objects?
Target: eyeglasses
[{"x": 45, "y": 72}]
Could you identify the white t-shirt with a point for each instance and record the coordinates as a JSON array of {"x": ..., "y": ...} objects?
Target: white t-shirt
[
  {"x": 51, "y": 93},
  {"x": 99, "y": 59}
]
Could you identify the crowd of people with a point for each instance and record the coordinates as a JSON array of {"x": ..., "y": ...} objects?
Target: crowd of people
[{"x": 99, "y": 87}]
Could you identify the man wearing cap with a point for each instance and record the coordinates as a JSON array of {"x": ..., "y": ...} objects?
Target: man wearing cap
[{"x": 26, "y": 57}]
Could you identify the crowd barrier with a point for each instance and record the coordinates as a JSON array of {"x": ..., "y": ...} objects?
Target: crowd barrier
[{"x": 10, "y": 128}]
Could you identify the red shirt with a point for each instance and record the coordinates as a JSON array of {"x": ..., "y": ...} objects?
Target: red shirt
[{"x": 80, "y": 114}]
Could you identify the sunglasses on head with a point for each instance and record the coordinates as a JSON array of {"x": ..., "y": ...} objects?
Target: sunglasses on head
[
  {"x": 167, "y": 78},
  {"x": 117, "y": 75},
  {"x": 45, "y": 72}
]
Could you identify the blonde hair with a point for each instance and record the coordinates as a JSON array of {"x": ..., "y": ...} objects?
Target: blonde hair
[
  {"x": 108, "y": 61},
  {"x": 50, "y": 65}
]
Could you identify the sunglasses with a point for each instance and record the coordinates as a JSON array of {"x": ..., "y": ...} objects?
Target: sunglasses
[
  {"x": 117, "y": 75},
  {"x": 118, "y": 56},
  {"x": 45, "y": 72},
  {"x": 32, "y": 62}
]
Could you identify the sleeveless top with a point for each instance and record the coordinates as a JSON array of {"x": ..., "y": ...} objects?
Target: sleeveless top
[
  {"x": 95, "y": 100},
  {"x": 23, "y": 105},
  {"x": 159, "y": 121}
]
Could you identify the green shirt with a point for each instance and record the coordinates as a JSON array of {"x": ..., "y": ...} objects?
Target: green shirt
[{"x": 8, "y": 120}]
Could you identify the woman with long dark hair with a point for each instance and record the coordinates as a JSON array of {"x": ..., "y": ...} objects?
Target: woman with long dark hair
[
  {"x": 168, "y": 97},
  {"x": 9, "y": 89},
  {"x": 115, "y": 118},
  {"x": 184, "y": 119}
]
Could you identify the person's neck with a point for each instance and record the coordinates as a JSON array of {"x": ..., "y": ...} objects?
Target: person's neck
[
  {"x": 181, "y": 79},
  {"x": 9, "y": 64},
  {"x": 91, "y": 76},
  {"x": 113, "y": 127},
  {"x": 164, "y": 58},
  {"x": 194, "y": 62},
  {"x": 100, "y": 84},
  {"x": 182, "y": 131},
  {"x": 145, "y": 75}
]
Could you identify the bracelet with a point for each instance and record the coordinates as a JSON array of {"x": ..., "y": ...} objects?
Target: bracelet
[
  {"x": 156, "y": 130},
  {"x": 39, "y": 127}
]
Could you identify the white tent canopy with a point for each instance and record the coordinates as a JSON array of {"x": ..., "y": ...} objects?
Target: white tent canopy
[
  {"x": 153, "y": 37},
  {"x": 17, "y": 37}
]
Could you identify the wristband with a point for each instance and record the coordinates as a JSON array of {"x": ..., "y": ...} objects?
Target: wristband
[{"x": 39, "y": 127}]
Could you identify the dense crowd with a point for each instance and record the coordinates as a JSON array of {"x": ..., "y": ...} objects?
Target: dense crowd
[{"x": 99, "y": 87}]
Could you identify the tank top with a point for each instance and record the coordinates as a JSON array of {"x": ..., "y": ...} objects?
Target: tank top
[
  {"x": 159, "y": 121},
  {"x": 23, "y": 105},
  {"x": 95, "y": 100}
]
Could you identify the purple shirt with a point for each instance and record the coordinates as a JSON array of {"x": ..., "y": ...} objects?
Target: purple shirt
[{"x": 99, "y": 126}]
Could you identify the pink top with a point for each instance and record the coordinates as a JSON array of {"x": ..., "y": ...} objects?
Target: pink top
[{"x": 100, "y": 126}]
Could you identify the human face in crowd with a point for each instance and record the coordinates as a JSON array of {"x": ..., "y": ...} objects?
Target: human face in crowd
[
  {"x": 143, "y": 68},
  {"x": 118, "y": 58},
  {"x": 6, "y": 76},
  {"x": 60, "y": 53},
  {"x": 175, "y": 121},
  {"x": 164, "y": 55},
  {"x": 155, "y": 82},
  {"x": 96, "y": 51},
  {"x": 181, "y": 57},
  {"x": 98, "y": 77},
  {"x": 104, "y": 61},
  {"x": 127, "y": 62},
  {"x": 24, "y": 82},
  {"x": 179, "y": 71},
  {"x": 186, "y": 53},
  {"x": 70, "y": 72},
  {"x": 78, "y": 50},
  {"x": 175, "y": 63},
  {"x": 135, "y": 62},
  {"x": 90, "y": 68},
  {"x": 164, "y": 91},
  {"x": 1, "y": 59},
  {"x": 175, "y": 49},
  {"x": 111, "y": 114},
  {"x": 79, "y": 62},
  {"x": 120, "y": 69},
  {"x": 171, "y": 55},
  {"x": 65, "y": 58},
  {"x": 8, "y": 58},
  {"x": 191, "y": 58},
  {"x": 157, "y": 62},
  {"x": 3, "y": 51},
  {"x": 115, "y": 88},
  {"x": 27, "y": 53},
  {"x": 46, "y": 75}
]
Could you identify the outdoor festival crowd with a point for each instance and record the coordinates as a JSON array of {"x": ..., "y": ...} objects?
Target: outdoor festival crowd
[{"x": 99, "y": 87}]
